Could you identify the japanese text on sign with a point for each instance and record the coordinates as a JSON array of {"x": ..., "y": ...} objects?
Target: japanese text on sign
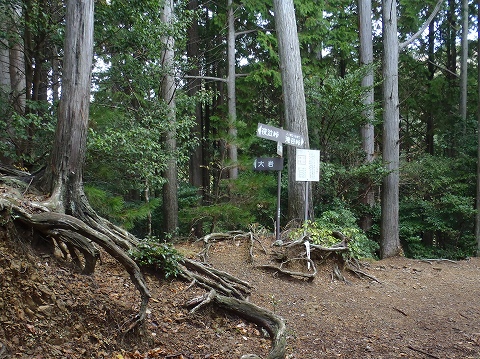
[
  {"x": 269, "y": 132},
  {"x": 268, "y": 164},
  {"x": 307, "y": 165},
  {"x": 277, "y": 134}
]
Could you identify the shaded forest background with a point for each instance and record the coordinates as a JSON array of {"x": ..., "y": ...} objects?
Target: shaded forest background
[{"x": 127, "y": 156}]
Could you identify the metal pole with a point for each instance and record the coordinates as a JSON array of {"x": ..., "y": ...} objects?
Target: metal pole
[
  {"x": 306, "y": 202},
  {"x": 306, "y": 210},
  {"x": 279, "y": 190}
]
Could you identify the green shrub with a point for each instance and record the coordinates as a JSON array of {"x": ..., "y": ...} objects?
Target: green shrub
[
  {"x": 116, "y": 209},
  {"x": 153, "y": 255},
  {"x": 437, "y": 207},
  {"x": 249, "y": 199},
  {"x": 341, "y": 220}
]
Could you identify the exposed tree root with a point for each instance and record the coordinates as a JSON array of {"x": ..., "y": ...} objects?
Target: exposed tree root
[
  {"x": 338, "y": 275},
  {"x": 293, "y": 273},
  {"x": 360, "y": 273},
  {"x": 209, "y": 239},
  {"x": 210, "y": 278},
  {"x": 274, "y": 324},
  {"x": 68, "y": 229}
]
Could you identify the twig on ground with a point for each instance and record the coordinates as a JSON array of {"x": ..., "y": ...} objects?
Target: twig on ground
[
  {"x": 362, "y": 273},
  {"x": 400, "y": 311},
  {"x": 423, "y": 352},
  {"x": 430, "y": 260}
]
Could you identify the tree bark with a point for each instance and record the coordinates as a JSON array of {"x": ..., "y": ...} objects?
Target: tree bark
[
  {"x": 367, "y": 130},
  {"x": 477, "y": 217},
  {"x": 5, "y": 87},
  {"x": 389, "y": 233},
  {"x": 198, "y": 176},
  {"x": 170, "y": 191},
  {"x": 464, "y": 66},
  {"x": 12, "y": 73},
  {"x": 196, "y": 158},
  {"x": 17, "y": 62},
  {"x": 294, "y": 98},
  {"x": 232, "y": 110},
  {"x": 431, "y": 74},
  {"x": 68, "y": 155}
]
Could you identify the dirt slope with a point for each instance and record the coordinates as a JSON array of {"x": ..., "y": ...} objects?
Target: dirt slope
[{"x": 418, "y": 310}]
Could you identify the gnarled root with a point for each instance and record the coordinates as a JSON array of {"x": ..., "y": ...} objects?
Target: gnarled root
[
  {"x": 273, "y": 324},
  {"x": 76, "y": 233}
]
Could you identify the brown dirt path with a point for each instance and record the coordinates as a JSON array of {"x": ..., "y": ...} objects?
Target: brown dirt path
[{"x": 419, "y": 310}]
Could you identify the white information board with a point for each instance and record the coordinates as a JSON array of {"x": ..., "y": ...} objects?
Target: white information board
[{"x": 307, "y": 165}]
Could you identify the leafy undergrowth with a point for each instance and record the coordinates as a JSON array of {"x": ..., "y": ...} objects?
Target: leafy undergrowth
[{"x": 418, "y": 310}]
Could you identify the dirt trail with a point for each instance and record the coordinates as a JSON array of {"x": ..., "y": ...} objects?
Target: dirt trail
[{"x": 418, "y": 310}]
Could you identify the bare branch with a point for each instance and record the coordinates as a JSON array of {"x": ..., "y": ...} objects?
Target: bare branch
[
  {"x": 211, "y": 78},
  {"x": 424, "y": 26},
  {"x": 443, "y": 68}
]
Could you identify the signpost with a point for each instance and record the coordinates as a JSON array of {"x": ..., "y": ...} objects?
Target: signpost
[
  {"x": 308, "y": 159},
  {"x": 280, "y": 135}
]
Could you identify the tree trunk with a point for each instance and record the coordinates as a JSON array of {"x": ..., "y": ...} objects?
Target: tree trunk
[
  {"x": 170, "y": 192},
  {"x": 477, "y": 217},
  {"x": 197, "y": 165},
  {"x": 294, "y": 98},
  {"x": 232, "y": 111},
  {"x": 451, "y": 41},
  {"x": 451, "y": 54},
  {"x": 389, "y": 234},
  {"x": 12, "y": 74},
  {"x": 196, "y": 159},
  {"x": 4, "y": 56},
  {"x": 17, "y": 63},
  {"x": 69, "y": 147},
  {"x": 367, "y": 131},
  {"x": 463, "y": 66},
  {"x": 64, "y": 178},
  {"x": 431, "y": 73},
  {"x": 5, "y": 87}
]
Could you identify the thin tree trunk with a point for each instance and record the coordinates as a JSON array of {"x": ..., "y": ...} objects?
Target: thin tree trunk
[
  {"x": 232, "y": 111},
  {"x": 12, "y": 76},
  {"x": 5, "y": 87},
  {"x": 451, "y": 54},
  {"x": 431, "y": 73},
  {"x": 477, "y": 218},
  {"x": 170, "y": 193},
  {"x": 4, "y": 57},
  {"x": 197, "y": 165},
  {"x": 146, "y": 193},
  {"x": 367, "y": 131},
  {"x": 294, "y": 98},
  {"x": 196, "y": 159},
  {"x": 390, "y": 241},
  {"x": 463, "y": 66},
  {"x": 17, "y": 63},
  {"x": 451, "y": 46}
]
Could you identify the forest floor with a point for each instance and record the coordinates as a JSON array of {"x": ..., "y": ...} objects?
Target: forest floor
[{"x": 417, "y": 309}]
